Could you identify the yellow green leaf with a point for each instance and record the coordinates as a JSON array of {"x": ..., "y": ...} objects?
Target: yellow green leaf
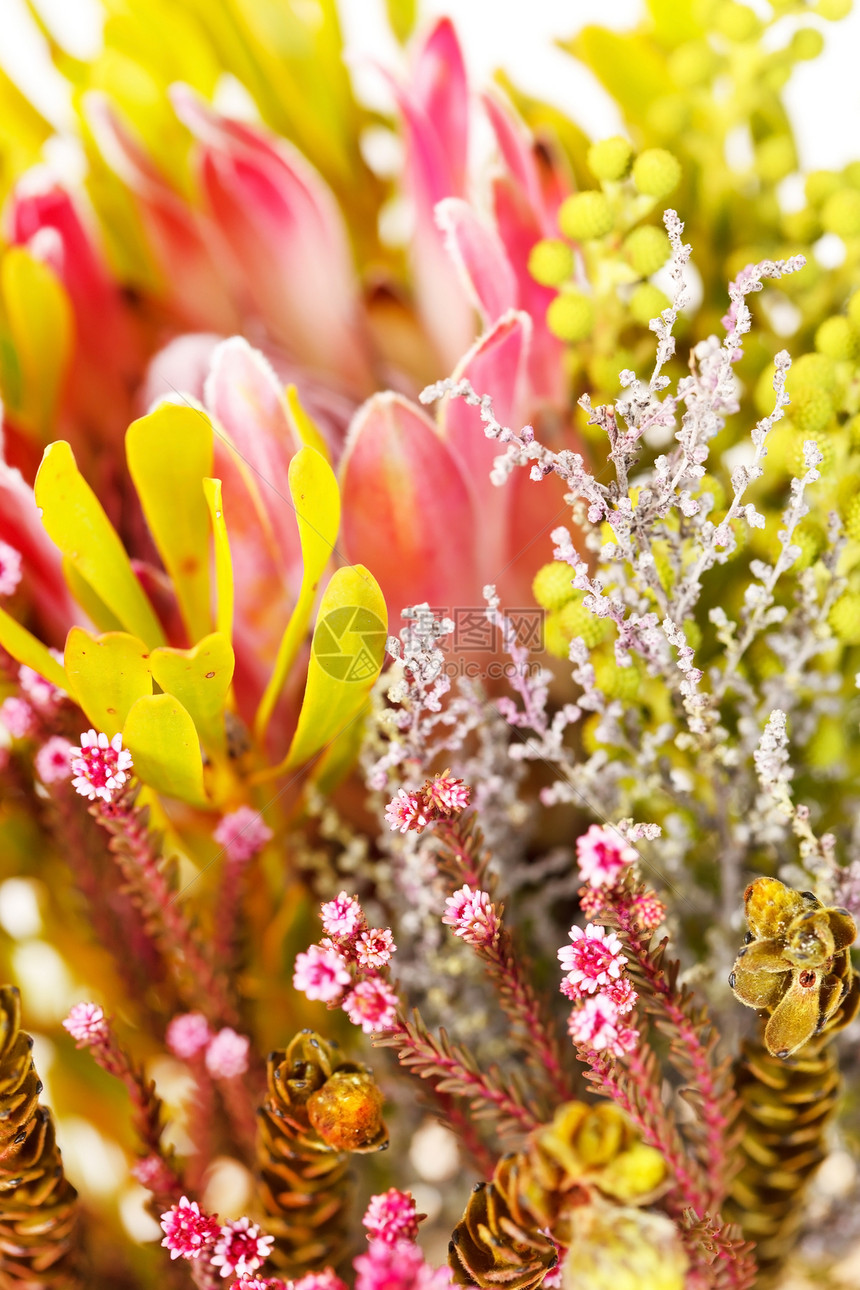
[
  {"x": 93, "y": 606},
  {"x": 629, "y": 66},
  {"x": 107, "y": 674},
  {"x": 333, "y": 765},
  {"x": 169, "y": 454},
  {"x": 401, "y": 17},
  {"x": 75, "y": 521},
  {"x": 27, "y": 649},
  {"x": 200, "y": 679},
  {"x": 303, "y": 424},
  {"x": 316, "y": 497},
  {"x": 223, "y": 559},
  {"x": 40, "y": 324},
  {"x": 675, "y": 21},
  {"x": 346, "y": 658},
  {"x": 165, "y": 749}
]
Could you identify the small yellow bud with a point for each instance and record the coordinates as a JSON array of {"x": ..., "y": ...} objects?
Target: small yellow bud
[
  {"x": 736, "y": 21},
  {"x": 551, "y": 262},
  {"x": 710, "y": 484},
  {"x": 556, "y": 642},
  {"x": 669, "y": 116},
  {"x": 576, "y": 620},
  {"x": 851, "y": 174},
  {"x": 693, "y": 63},
  {"x": 656, "y": 172},
  {"x": 617, "y": 682},
  {"x": 811, "y": 411},
  {"x": 570, "y": 317},
  {"x": 854, "y": 309},
  {"x": 585, "y": 216},
  {"x": 801, "y": 226},
  {"x": 552, "y": 586},
  {"x": 647, "y": 302},
  {"x": 827, "y": 747},
  {"x": 806, "y": 44},
  {"x": 841, "y": 213},
  {"x": 610, "y": 159},
  {"x": 845, "y": 618},
  {"x": 647, "y": 248},
  {"x": 834, "y": 10},
  {"x": 852, "y": 518},
  {"x": 837, "y": 339},
  {"x": 853, "y": 428},
  {"x": 775, "y": 158}
]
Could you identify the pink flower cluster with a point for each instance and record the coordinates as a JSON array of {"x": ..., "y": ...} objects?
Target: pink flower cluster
[
  {"x": 10, "y": 569},
  {"x": 87, "y": 1024},
  {"x": 237, "y": 1248},
  {"x": 352, "y": 954},
  {"x": 100, "y": 766},
  {"x": 397, "y": 1266},
  {"x": 602, "y": 995},
  {"x": 226, "y": 1052},
  {"x": 473, "y": 916},
  {"x": 242, "y": 834},
  {"x": 391, "y": 1216},
  {"x": 604, "y": 856},
  {"x": 438, "y": 799}
]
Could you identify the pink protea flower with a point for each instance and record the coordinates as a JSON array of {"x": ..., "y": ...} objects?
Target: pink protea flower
[
  {"x": 188, "y": 1034},
  {"x": 10, "y": 569},
  {"x": 375, "y": 947},
  {"x": 593, "y": 958},
  {"x": 53, "y": 761},
  {"x": 87, "y": 1024},
  {"x": 320, "y": 973},
  {"x": 241, "y": 1248},
  {"x": 602, "y": 855},
  {"x": 187, "y": 1231},
  {"x": 227, "y": 1054},
  {"x": 404, "y": 813},
  {"x": 391, "y": 1216},
  {"x": 473, "y": 916},
  {"x": 342, "y": 916},
  {"x": 100, "y": 766},
  {"x": 648, "y": 910},
  {"x": 242, "y": 834},
  {"x": 447, "y": 795},
  {"x": 372, "y": 1005},
  {"x": 17, "y": 716}
]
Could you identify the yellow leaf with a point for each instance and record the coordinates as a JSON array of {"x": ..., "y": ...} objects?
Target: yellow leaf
[
  {"x": 401, "y": 17},
  {"x": 200, "y": 679},
  {"x": 346, "y": 658},
  {"x": 316, "y": 497},
  {"x": 93, "y": 606},
  {"x": 107, "y": 674},
  {"x": 629, "y": 66},
  {"x": 41, "y": 327},
  {"x": 223, "y": 559},
  {"x": 163, "y": 743},
  {"x": 27, "y": 649},
  {"x": 169, "y": 454},
  {"x": 75, "y": 521},
  {"x": 303, "y": 425}
]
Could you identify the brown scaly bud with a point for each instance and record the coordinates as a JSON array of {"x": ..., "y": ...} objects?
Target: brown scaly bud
[
  {"x": 796, "y": 968},
  {"x": 319, "y": 1108},
  {"x": 587, "y": 1157},
  {"x": 38, "y": 1205}
]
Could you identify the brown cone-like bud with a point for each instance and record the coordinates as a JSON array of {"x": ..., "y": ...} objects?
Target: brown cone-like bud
[
  {"x": 38, "y": 1205},
  {"x": 497, "y": 1242},
  {"x": 319, "y": 1108}
]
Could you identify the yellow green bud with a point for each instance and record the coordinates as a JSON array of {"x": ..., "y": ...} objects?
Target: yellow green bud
[
  {"x": 852, "y": 518},
  {"x": 552, "y": 586},
  {"x": 669, "y": 116},
  {"x": 775, "y": 158},
  {"x": 851, "y": 174},
  {"x": 647, "y": 248},
  {"x": 692, "y": 64},
  {"x": 827, "y": 747},
  {"x": 811, "y": 539},
  {"x": 806, "y": 43},
  {"x": 854, "y": 309},
  {"x": 837, "y": 339},
  {"x": 570, "y": 317},
  {"x": 551, "y": 262},
  {"x": 834, "y": 10},
  {"x": 576, "y": 620},
  {"x": 811, "y": 370},
  {"x": 656, "y": 172},
  {"x": 736, "y": 21},
  {"x": 812, "y": 412},
  {"x": 585, "y": 216},
  {"x": 604, "y": 368},
  {"x": 710, "y": 484},
  {"x": 820, "y": 184},
  {"x": 647, "y": 302},
  {"x": 853, "y": 428},
  {"x": 617, "y": 682},
  {"x": 610, "y": 159},
  {"x": 841, "y": 213},
  {"x": 554, "y": 639},
  {"x": 845, "y": 618},
  {"x": 801, "y": 226}
]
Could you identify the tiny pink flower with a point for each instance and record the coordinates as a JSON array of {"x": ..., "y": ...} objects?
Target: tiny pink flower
[
  {"x": 375, "y": 947},
  {"x": 41, "y": 693},
  {"x": 53, "y": 761},
  {"x": 391, "y": 1216},
  {"x": 342, "y": 916},
  {"x": 87, "y": 1024},
  {"x": 593, "y": 959},
  {"x": 648, "y": 911},
  {"x": 241, "y": 1248},
  {"x": 592, "y": 901},
  {"x": 372, "y": 1005},
  {"x": 397, "y": 1267},
  {"x": 187, "y": 1231},
  {"x": 188, "y": 1034},
  {"x": 321, "y": 973},
  {"x": 473, "y": 916},
  {"x": 403, "y": 813},
  {"x": 153, "y": 1173},
  {"x": 269, "y": 1283},
  {"x": 446, "y": 794},
  {"x": 622, "y": 994},
  {"x": 625, "y": 1041},
  {"x": 227, "y": 1054},
  {"x": 242, "y": 834},
  {"x": 17, "y": 716},
  {"x": 10, "y": 569},
  {"x": 594, "y": 1024},
  {"x": 603, "y": 854},
  {"x": 100, "y": 765},
  {"x": 325, "y": 1280}
]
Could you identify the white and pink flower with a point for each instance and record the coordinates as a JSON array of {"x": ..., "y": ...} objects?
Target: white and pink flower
[
  {"x": 593, "y": 959},
  {"x": 100, "y": 766},
  {"x": 321, "y": 973},
  {"x": 602, "y": 855}
]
